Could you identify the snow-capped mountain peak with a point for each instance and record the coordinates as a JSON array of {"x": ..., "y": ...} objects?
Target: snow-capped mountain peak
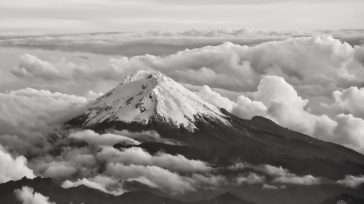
[{"x": 148, "y": 95}]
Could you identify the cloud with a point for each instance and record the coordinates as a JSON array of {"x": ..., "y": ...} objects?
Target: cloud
[
  {"x": 59, "y": 170},
  {"x": 31, "y": 66},
  {"x": 164, "y": 179},
  {"x": 33, "y": 109},
  {"x": 27, "y": 196},
  {"x": 350, "y": 100},
  {"x": 108, "y": 139},
  {"x": 108, "y": 169},
  {"x": 271, "y": 176},
  {"x": 280, "y": 80},
  {"x": 283, "y": 103},
  {"x": 138, "y": 156},
  {"x": 27, "y": 115},
  {"x": 145, "y": 136},
  {"x": 251, "y": 178},
  {"x": 237, "y": 67},
  {"x": 247, "y": 108},
  {"x": 100, "y": 182},
  {"x": 13, "y": 168},
  {"x": 215, "y": 99},
  {"x": 351, "y": 181},
  {"x": 278, "y": 100},
  {"x": 269, "y": 187},
  {"x": 327, "y": 64},
  {"x": 283, "y": 176},
  {"x": 349, "y": 131}
]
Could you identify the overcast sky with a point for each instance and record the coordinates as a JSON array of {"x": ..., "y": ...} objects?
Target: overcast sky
[{"x": 67, "y": 16}]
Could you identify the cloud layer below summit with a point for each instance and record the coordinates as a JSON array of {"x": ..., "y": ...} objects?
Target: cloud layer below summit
[
  {"x": 315, "y": 80},
  {"x": 309, "y": 84}
]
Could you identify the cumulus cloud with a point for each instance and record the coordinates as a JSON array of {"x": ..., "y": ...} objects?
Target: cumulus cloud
[
  {"x": 69, "y": 162},
  {"x": 283, "y": 103},
  {"x": 269, "y": 187},
  {"x": 283, "y": 176},
  {"x": 237, "y": 67},
  {"x": 350, "y": 100},
  {"x": 108, "y": 169},
  {"x": 349, "y": 131},
  {"x": 30, "y": 65},
  {"x": 33, "y": 109},
  {"x": 164, "y": 179},
  {"x": 313, "y": 65},
  {"x": 276, "y": 99},
  {"x": 136, "y": 155},
  {"x": 27, "y": 196},
  {"x": 251, "y": 178},
  {"x": 144, "y": 136},
  {"x": 247, "y": 108},
  {"x": 26, "y": 115},
  {"x": 271, "y": 176},
  {"x": 215, "y": 98},
  {"x": 59, "y": 170},
  {"x": 92, "y": 137},
  {"x": 13, "y": 168},
  {"x": 100, "y": 182},
  {"x": 351, "y": 181}
]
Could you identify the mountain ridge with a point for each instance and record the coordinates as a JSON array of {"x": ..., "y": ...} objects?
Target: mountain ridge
[{"x": 84, "y": 194}]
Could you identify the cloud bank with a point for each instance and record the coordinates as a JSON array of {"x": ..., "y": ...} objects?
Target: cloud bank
[
  {"x": 27, "y": 115},
  {"x": 278, "y": 100},
  {"x": 308, "y": 84},
  {"x": 27, "y": 196},
  {"x": 352, "y": 181},
  {"x": 13, "y": 168},
  {"x": 108, "y": 139}
]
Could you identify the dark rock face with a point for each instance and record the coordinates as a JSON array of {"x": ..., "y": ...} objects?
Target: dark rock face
[{"x": 82, "y": 194}]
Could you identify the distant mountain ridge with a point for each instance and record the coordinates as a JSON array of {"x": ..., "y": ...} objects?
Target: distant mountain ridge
[{"x": 83, "y": 194}]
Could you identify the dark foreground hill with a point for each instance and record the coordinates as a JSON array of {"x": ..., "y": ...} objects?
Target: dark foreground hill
[
  {"x": 83, "y": 194},
  {"x": 343, "y": 199}
]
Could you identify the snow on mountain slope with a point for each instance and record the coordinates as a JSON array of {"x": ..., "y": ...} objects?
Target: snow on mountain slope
[{"x": 147, "y": 95}]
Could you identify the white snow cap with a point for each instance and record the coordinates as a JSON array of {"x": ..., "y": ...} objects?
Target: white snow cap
[{"x": 145, "y": 94}]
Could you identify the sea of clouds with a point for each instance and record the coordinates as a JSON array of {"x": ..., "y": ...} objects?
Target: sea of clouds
[{"x": 311, "y": 84}]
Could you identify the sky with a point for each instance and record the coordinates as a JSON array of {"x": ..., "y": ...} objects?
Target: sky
[{"x": 71, "y": 16}]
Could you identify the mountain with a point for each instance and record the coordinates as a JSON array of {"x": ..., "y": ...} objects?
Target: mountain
[
  {"x": 146, "y": 97},
  {"x": 149, "y": 100},
  {"x": 83, "y": 194}
]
